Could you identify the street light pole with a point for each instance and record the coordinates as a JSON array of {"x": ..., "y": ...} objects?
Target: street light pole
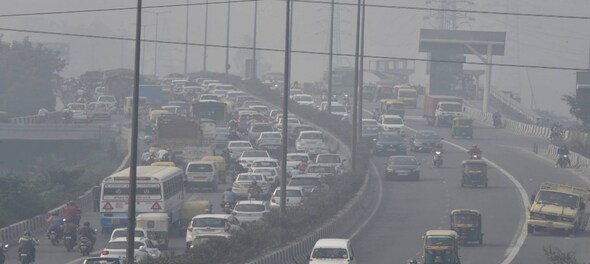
[
  {"x": 205, "y": 41},
  {"x": 361, "y": 73},
  {"x": 134, "y": 131},
  {"x": 227, "y": 37},
  {"x": 186, "y": 40},
  {"x": 356, "y": 89},
  {"x": 283, "y": 202},
  {"x": 254, "y": 61},
  {"x": 331, "y": 58},
  {"x": 156, "y": 40}
]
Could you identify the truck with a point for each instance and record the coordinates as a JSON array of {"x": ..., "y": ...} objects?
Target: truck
[
  {"x": 406, "y": 94},
  {"x": 153, "y": 93},
  {"x": 558, "y": 207},
  {"x": 440, "y": 110},
  {"x": 184, "y": 136}
]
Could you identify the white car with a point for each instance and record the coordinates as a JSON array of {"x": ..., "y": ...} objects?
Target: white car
[
  {"x": 338, "y": 110},
  {"x": 257, "y": 128},
  {"x": 392, "y": 123},
  {"x": 201, "y": 239},
  {"x": 210, "y": 224},
  {"x": 244, "y": 181},
  {"x": 80, "y": 112},
  {"x": 250, "y": 211},
  {"x": 293, "y": 159},
  {"x": 330, "y": 159},
  {"x": 261, "y": 109},
  {"x": 249, "y": 156},
  {"x": 271, "y": 174},
  {"x": 290, "y": 122},
  {"x": 369, "y": 122},
  {"x": 309, "y": 140},
  {"x": 139, "y": 233},
  {"x": 332, "y": 250},
  {"x": 308, "y": 182},
  {"x": 295, "y": 197},
  {"x": 110, "y": 100},
  {"x": 117, "y": 248},
  {"x": 269, "y": 138},
  {"x": 303, "y": 99},
  {"x": 266, "y": 164},
  {"x": 209, "y": 97},
  {"x": 237, "y": 147}
]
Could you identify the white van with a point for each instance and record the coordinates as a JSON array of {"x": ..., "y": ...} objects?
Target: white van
[
  {"x": 329, "y": 250},
  {"x": 201, "y": 174}
]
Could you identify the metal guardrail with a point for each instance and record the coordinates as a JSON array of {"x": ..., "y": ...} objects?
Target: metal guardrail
[
  {"x": 36, "y": 131},
  {"x": 52, "y": 117},
  {"x": 518, "y": 127},
  {"x": 38, "y": 224},
  {"x": 514, "y": 105}
]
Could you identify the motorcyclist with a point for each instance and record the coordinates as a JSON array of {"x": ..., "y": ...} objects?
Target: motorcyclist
[
  {"x": 226, "y": 154},
  {"x": 254, "y": 191},
  {"x": 54, "y": 224},
  {"x": 561, "y": 151},
  {"x": 233, "y": 124},
  {"x": 70, "y": 210},
  {"x": 27, "y": 244},
  {"x": 70, "y": 229},
  {"x": 302, "y": 166},
  {"x": 228, "y": 196},
  {"x": 555, "y": 131},
  {"x": 233, "y": 135},
  {"x": 474, "y": 151},
  {"x": 437, "y": 148},
  {"x": 147, "y": 157},
  {"x": 88, "y": 232}
]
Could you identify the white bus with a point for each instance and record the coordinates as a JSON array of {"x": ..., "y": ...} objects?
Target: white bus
[{"x": 159, "y": 190}]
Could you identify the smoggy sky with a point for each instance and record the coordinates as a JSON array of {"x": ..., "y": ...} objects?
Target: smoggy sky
[{"x": 389, "y": 32}]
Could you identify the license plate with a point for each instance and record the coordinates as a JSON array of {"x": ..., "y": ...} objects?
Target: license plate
[
  {"x": 23, "y": 255},
  {"x": 402, "y": 173}
]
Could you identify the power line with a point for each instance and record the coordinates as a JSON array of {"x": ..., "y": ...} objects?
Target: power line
[
  {"x": 416, "y": 8},
  {"x": 307, "y": 52}
]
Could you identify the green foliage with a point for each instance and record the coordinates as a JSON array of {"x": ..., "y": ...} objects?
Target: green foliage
[
  {"x": 18, "y": 199},
  {"x": 556, "y": 256},
  {"x": 28, "y": 76},
  {"x": 581, "y": 110}
]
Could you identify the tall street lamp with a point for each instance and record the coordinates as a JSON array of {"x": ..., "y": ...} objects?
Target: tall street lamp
[
  {"x": 227, "y": 37},
  {"x": 331, "y": 59},
  {"x": 205, "y": 37},
  {"x": 254, "y": 61},
  {"x": 186, "y": 40},
  {"x": 156, "y": 40}
]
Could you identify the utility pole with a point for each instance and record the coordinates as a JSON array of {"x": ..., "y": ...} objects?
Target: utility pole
[
  {"x": 331, "y": 59},
  {"x": 227, "y": 37},
  {"x": 355, "y": 109},
  {"x": 186, "y": 40},
  {"x": 254, "y": 61},
  {"x": 205, "y": 38},
  {"x": 134, "y": 135},
  {"x": 287, "y": 69},
  {"x": 361, "y": 73},
  {"x": 143, "y": 51},
  {"x": 156, "y": 40}
]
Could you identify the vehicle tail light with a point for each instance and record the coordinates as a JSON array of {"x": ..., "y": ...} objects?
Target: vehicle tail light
[
  {"x": 104, "y": 252},
  {"x": 274, "y": 200}
]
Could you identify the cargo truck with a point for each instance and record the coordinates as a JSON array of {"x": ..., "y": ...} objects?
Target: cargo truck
[
  {"x": 184, "y": 136},
  {"x": 406, "y": 94},
  {"x": 558, "y": 207},
  {"x": 440, "y": 110}
]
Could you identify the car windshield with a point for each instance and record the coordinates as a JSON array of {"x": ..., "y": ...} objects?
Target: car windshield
[
  {"x": 312, "y": 136},
  {"x": 265, "y": 164},
  {"x": 250, "y": 208},
  {"x": 123, "y": 233},
  {"x": 262, "y": 128},
  {"x": 403, "y": 161},
  {"x": 209, "y": 97},
  {"x": 290, "y": 193},
  {"x": 451, "y": 107},
  {"x": 304, "y": 182},
  {"x": 330, "y": 253},
  {"x": 465, "y": 219},
  {"x": 557, "y": 198},
  {"x": 439, "y": 241},
  {"x": 240, "y": 145},
  {"x": 390, "y": 137},
  {"x": 270, "y": 135},
  {"x": 297, "y": 158},
  {"x": 371, "y": 128},
  {"x": 255, "y": 154},
  {"x": 266, "y": 172},
  {"x": 328, "y": 159},
  {"x": 123, "y": 245},
  {"x": 319, "y": 169},
  {"x": 200, "y": 168},
  {"x": 393, "y": 121},
  {"x": 209, "y": 222},
  {"x": 249, "y": 177},
  {"x": 427, "y": 135}
]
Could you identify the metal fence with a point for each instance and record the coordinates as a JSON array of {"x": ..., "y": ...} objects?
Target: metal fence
[{"x": 36, "y": 131}]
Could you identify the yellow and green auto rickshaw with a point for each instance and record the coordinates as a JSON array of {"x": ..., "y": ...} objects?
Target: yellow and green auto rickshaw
[
  {"x": 158, "y": 224},
  {"x": 441, "y": 247},
  {"x": 467, "y": 224},
  {"x": 221, "y": 166},
  {"x": 474, "y": 173},
  {"x": 190, "y": 209},
  {"x": 392, "y": 107},
  {"x": 462, "y": 127}
]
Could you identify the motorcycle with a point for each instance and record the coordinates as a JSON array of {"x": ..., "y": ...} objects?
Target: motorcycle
[
  {"x": 85, "y": 246},
  {"x": 3, "y": 250},
  {"x": 475, "y": 156},
  {"x": 54, "y": 237},
  {"x": 69, "y": 242},
  {"x": 148, "y": 140},
  {"x": 562, "y": 162},
  {"x": 228, "y": 207},
  {"x": 25, "y": 257},
  {"x": 437, "y": 159}
]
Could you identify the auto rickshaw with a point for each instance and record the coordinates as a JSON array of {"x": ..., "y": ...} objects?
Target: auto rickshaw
[
  {"x": 474, "y": 173},
  {"x": 441, "y": 247},
  {"x": 467, "y": 224},
  {"x": 221, "y": 166},
  {"x": 462, "y": 127},
  {"x": 158, "y": 224},
  {"x": 190, "y": 209},
  {"x": 163, "y": 164},
  {"x": 392, "y": 107}
]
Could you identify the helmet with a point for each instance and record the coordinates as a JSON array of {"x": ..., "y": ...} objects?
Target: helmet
[
  {"x": 86, "y": 224},
  {"x": 27, "y": 233}
]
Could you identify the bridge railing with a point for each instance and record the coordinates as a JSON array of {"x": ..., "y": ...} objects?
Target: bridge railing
[
  {"x": 52, "y": 117},
  {"x": 515, "y": 106}
]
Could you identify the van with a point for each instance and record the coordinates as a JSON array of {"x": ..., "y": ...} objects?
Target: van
[
  {"x": 202, "y": 174},
  {"x": 328, "y": 250}
]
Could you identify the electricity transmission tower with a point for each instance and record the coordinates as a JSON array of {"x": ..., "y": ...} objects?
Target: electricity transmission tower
[{"x": 444, "y": 18}]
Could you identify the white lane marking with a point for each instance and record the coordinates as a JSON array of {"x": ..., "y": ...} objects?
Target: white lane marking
[
  {"x": 519, "y": 238},
  {"x": 379, "y": 200}
]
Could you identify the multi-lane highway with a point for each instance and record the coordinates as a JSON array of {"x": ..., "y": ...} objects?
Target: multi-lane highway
[{"x": 410, "y": 208}]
